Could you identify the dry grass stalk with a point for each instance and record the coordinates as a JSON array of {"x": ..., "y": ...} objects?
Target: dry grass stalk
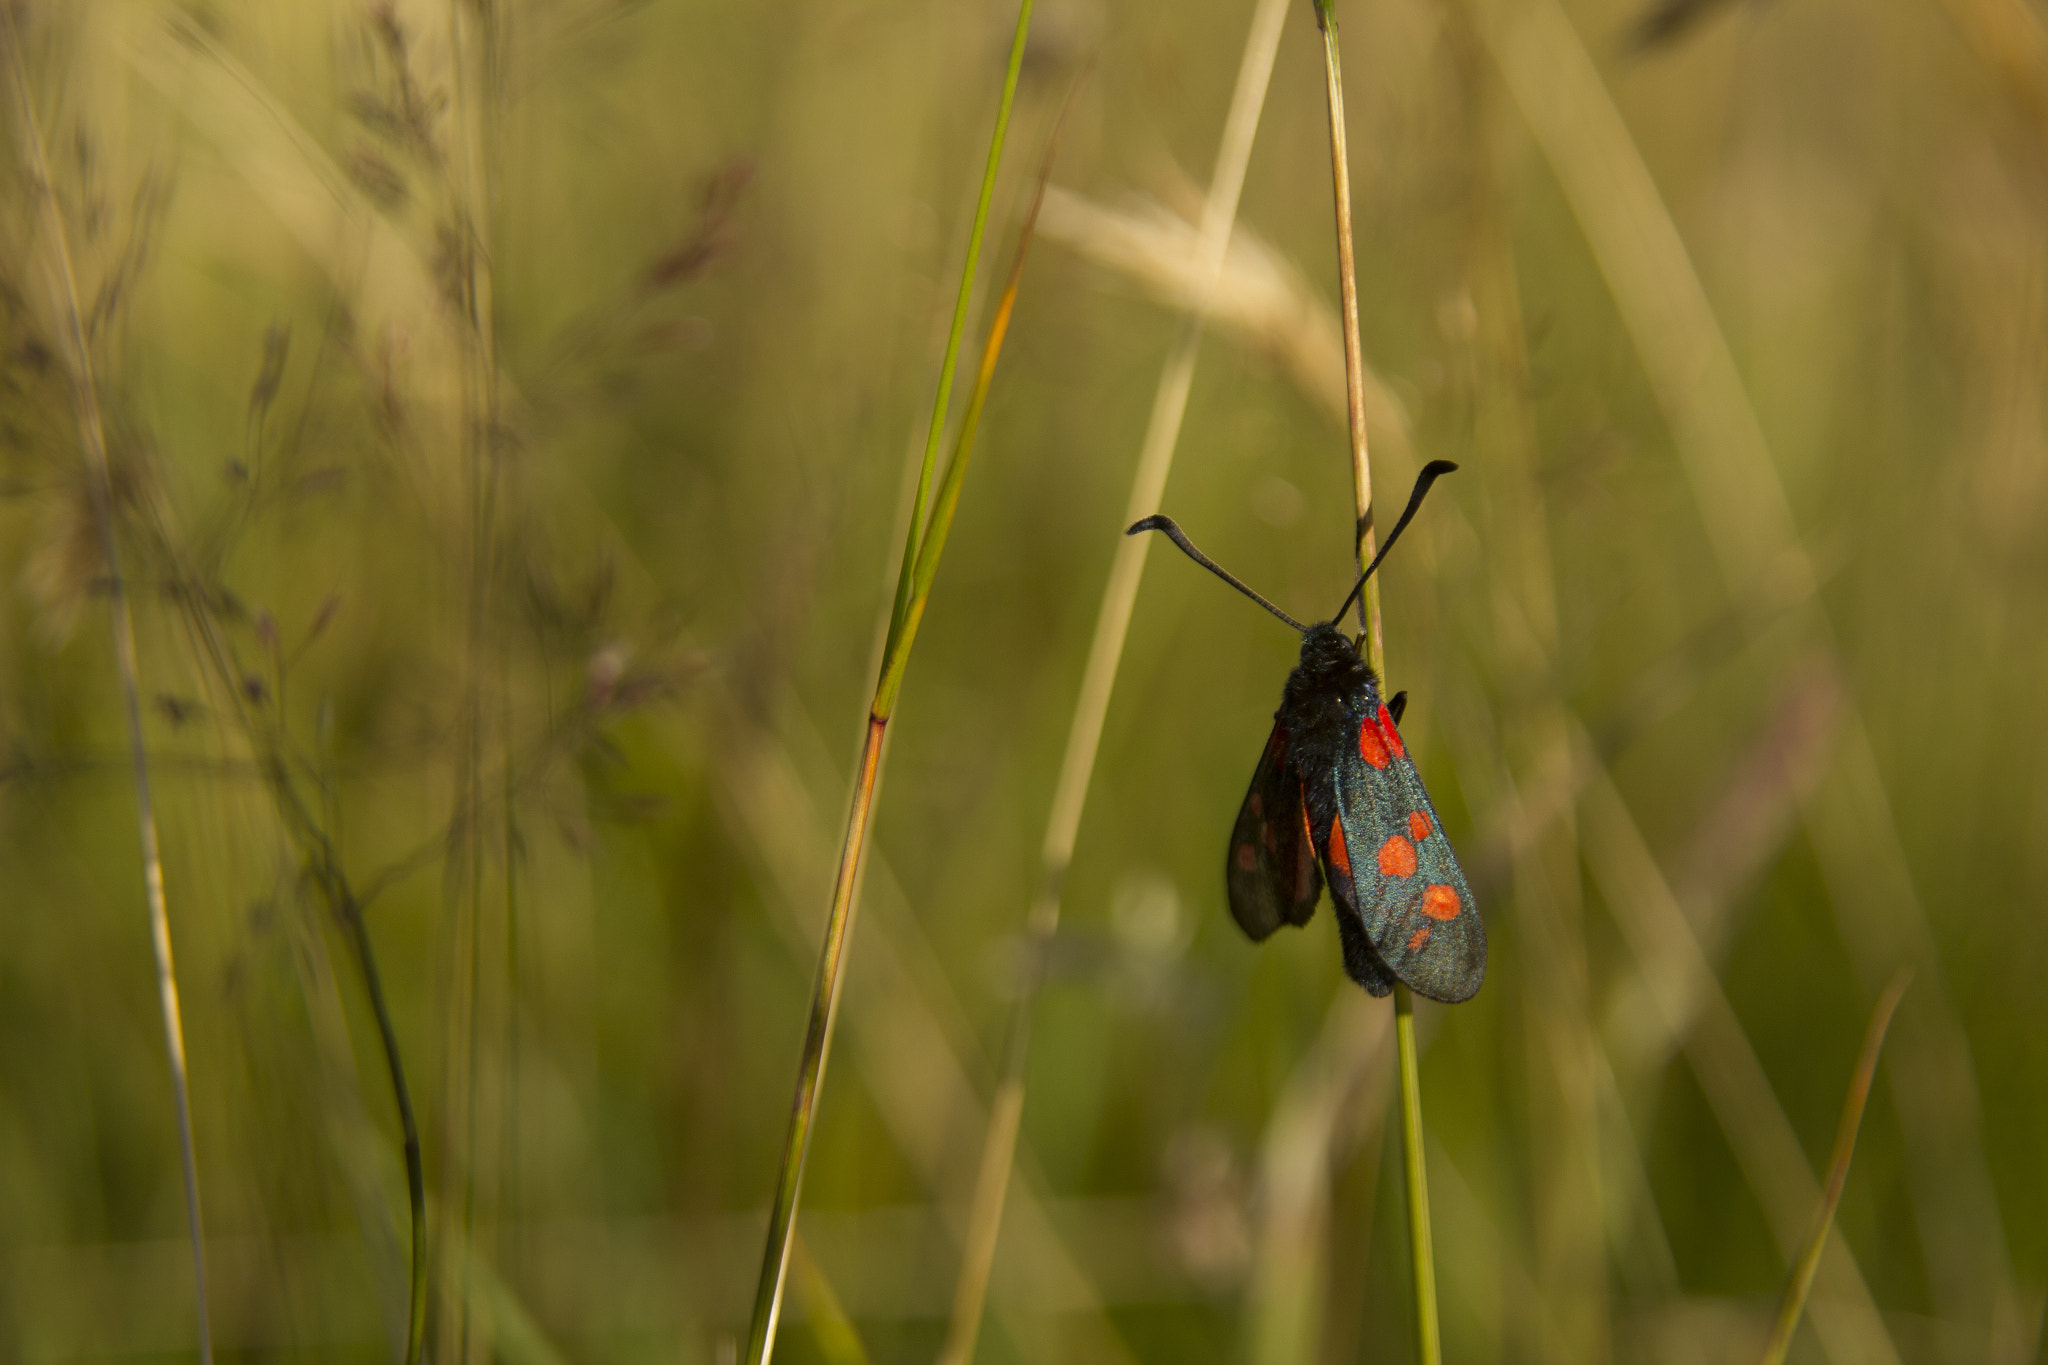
[
  {"x": 62, "y": 283},
  {"x": 1256, "y": 294}
]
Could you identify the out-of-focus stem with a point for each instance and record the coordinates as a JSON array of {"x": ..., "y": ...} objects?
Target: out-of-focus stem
[
  {"x": 1803, "y": 1272},
  {"x": 93, "y": 443}
]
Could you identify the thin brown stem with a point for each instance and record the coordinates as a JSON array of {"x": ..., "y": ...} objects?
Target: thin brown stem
[
  {"x": 1354, "y": 358},
  {"x": 63, "y": 282},
  {"x": 473, "y": 43},
  {"x": 1421, "y": 1255}
]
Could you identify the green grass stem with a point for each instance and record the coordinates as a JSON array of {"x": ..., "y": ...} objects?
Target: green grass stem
[
  {"x": 1808, "y": 1264},
  {"x": 1428, "y": 1343},
  {"x": 923, "y": 545}
]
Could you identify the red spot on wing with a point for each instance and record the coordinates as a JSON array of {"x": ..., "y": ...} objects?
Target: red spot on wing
[
  {"x": 1418, "y": 938},
  {"x": 1258, "y": 807},
  {"x": 1247, "y": 858},
  {"x": 1397, "y": 857},
  {"x": 1277, "y": 746},
  {"x": 1339, "y": 856},
  {"x": 1418, "y": 825},
  {"x": 1441, "y": 902},
  {"x": 1371, "y": 747},
  {"x": 1393, "y": 734}
]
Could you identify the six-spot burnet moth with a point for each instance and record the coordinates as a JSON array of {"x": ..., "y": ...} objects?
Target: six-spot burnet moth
[{"x": 1336, "y": 798}]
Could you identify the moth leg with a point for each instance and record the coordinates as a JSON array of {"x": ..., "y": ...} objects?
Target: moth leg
[{"x": 1397, "y": 706}]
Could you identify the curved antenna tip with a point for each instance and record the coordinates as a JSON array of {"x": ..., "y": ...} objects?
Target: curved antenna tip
[{"x": 1161, "y": 522}]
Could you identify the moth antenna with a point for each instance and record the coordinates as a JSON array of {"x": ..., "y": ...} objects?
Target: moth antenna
[
  {"x": 1431, "y": 472},
  {"x": 1179, "y": 537}
]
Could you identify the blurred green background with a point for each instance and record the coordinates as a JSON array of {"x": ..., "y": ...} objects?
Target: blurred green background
[{"x": 509, "y": 408}]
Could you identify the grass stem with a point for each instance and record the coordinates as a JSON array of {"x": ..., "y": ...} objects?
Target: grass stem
[
  {"x": 473, "y": 43},
  {"x": 1105, "y": 652},
  {"x": 924, "y": 543},
  {"x": 913, "y": 542},
  {"x": 93, "y": 444},
  {"x": 1427, "y": 1348},
  {"x": 1354, "y": 357},
  {"x": 409, "y": 1130},
  {"x": 1808, "y": 1264},
  {"x": 817, "y": 1044}
]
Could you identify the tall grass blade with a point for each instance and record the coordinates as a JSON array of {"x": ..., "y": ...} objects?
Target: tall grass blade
[
  {"x": 1838, "y": 1172},
  {"x": 63, "y": 287},
  {"x": 1098, "y": 679},
  {"x": 922, "y": 547},
  {"x": 914, "y": 540}
]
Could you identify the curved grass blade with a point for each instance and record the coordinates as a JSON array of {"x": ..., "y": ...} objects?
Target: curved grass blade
[{"x": 1838, "y": 1172}]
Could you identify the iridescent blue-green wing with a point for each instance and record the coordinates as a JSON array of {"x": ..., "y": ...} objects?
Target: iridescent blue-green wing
[
  {"x": 1413, "y": 907},
  {"x": 1271, "y": 869}
]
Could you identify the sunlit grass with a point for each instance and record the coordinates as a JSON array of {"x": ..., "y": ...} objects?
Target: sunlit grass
[{"x": 504, "y": 436}]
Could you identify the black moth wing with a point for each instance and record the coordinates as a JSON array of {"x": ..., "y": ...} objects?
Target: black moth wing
[
  {"x": 1271, "y": 869},
  {"x": 1411, "y": 898}
]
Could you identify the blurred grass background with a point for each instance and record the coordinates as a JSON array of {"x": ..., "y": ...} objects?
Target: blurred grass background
[{"x": 509, "y": 409}]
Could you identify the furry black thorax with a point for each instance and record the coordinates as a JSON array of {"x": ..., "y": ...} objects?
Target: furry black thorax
[{"x": 1327, "y": 694}]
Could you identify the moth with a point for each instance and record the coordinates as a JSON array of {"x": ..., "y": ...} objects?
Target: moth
[{"x": 1336, "y": 800}]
